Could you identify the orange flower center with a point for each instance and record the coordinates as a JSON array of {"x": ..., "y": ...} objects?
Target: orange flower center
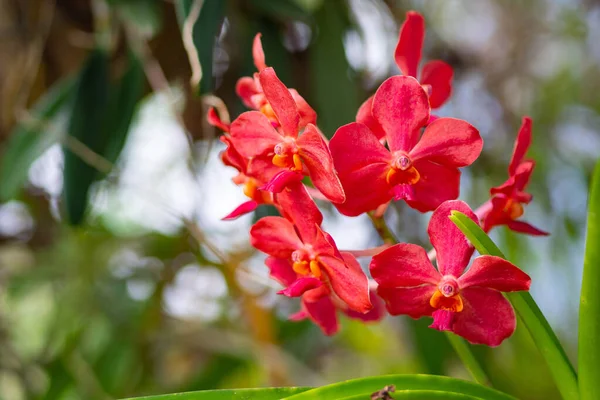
[
  {"x": 251, "y": 190},
  {"x": 286, "y": 155},
  {"x": 267, "y": 110},
  {"x": 402, "y": 171},
  {"x": 513, "y": 209},
  {"x": 447, "y": 296},
  {"x": 306, "y": 263}
]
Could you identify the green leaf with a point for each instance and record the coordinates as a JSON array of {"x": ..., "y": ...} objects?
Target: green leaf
[
  {"x": 544, "y": 337},
  {"x": 86, "y": 127},
  {"x": 403, "y": 383},
  {"x": 334, "y": 93},
  {"x": 144, "y": 15},
  {"x": 204, "y": 34},
  {"x": 420, "y": 395},
  {"x": 589, "y": 307},
  {"x": 30, "y": 139},
  {"x": 124, "y": 97},
  {"x": 230, "y": 394}
]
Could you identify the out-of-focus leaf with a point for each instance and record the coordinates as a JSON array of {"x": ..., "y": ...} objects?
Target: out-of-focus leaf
[
  {"x": 404, "y": 384},
  {"x": 334, "y": 94},
  {"x": 124, "y": 97},
  {"x": 204, "y": 34},
  {"x": 282, "y": 9},
  {"x": 60, "y": 379},
  {"x": 30, "y": 139},
  {"x": 230, "y": 394},
  {"x": 144, "y": 15},
  {"x": 420, "y": 395},
  {"x": 539, "y": 328},
  {"x": 589, "y": 307},
  {"x": 85, "y": 126}
]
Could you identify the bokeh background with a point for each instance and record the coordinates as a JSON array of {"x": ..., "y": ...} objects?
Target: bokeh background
[{"x": 117, "y": 277}]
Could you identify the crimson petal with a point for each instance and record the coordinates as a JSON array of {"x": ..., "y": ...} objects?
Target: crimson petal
[
  {"x": 438, "y": 75},
  {"x": 350, "y": 285},
  {"x": 258, "y": 54},
  {"x": 281, "y": 101},
  {"x": 252, "y": 134},
  {"x": 410, "y": 43},
  {"x": 413, "y": 301},
  {"x": 318, "y": 161},
  {"x": 521, "y": 145},
  {"x": 281, "y": 180},
  {"x": 524, "y": 227},
  {"x": 449, "y": 141},
  {"x": 246, "y": 88},
  {"x": 307, "y": 114},
  {"x": 401, "y": 107},
  {"x": 452, "y": 247},
  {"x": 376, "y": 313},
  {"x": 297, "y": 206},
  {"x": 437, "y": 184},
  {"x": 495, "y": 273},
  {"x": 240, "y": 210},
  {"x": 275, "y": 236},
  {"x": 323, "y": 313},
  {"x": 281, "y": 270},
  {"x": 300, "y": 286},
  {"x": 403, "y": 264},
  {"x": 365, "y": 116}
]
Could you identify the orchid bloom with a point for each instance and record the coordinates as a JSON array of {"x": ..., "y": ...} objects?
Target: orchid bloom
[
  {"x": 470, "y": 303},
  {"x": 435, "y": 77},
  {"x": 254, "y": 135},
  {"x": 320, "y": 305},
  {"x": 506, "y": 204},
  {"x": 299, "y": 242},
  {"x": 420, "y": 169}
]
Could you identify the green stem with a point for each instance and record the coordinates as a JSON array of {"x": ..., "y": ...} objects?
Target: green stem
[
  {"x": 468, "y": 358},
  {"x": 544, "y": 337},
  {"x": 459, "y": 344},
  {"x": 589, "y": 307}
]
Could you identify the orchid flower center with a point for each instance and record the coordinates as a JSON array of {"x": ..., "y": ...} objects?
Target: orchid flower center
[
  {"x": 402, "y": 171},
  {"x": 305, "y": 262},
  {"x": 513, "y": 209},
  {"x": 447, "y": 296},
  {"x": 251, "y": 189},
  {"x": 286, "y": 155}
]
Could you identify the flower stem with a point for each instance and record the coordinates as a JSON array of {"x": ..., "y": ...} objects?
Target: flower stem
[{"x": 459, "y": 344}]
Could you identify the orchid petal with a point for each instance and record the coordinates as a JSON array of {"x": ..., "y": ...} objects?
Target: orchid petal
[
  {"x": 410, "y": 43},
  {"x": 487, "y": 317},
  {"x": 281, "y": 101},
  {"x": 230, "y": 156},
  {"x": 524, "y": 227},
  {"x": 401, "y": 265},
  {"x": 281, "y": 270},
  {"x": 252, "y": 134},
  {"x": 449, "y": 141},
  {"x": 275, "y": 236},
  {"x": 246, "y": 88},
  {"x": 522, "y": 144},
  {"x": 350, "y": 285},
  {"x": 438, "y": 75},
  {"x": 365, "y": 116},
  {"x": 437, "y": 184},
  {"x": 413, "y": 301},
  {"x": 297, "y": 206},
  {"x": 307, "y": 114},
  {"x": 258, "y": 54},
  {"x": 281, "y": 180},
  {"x": 401, "y": 107},
  {"x": 452, "y": 247},
  {"x": 495, "y": 273},
  {"x": 362, "y": 173},
  {"x": 214, "y": 120},
  {"x": 323, "y": 313},
  {"x": 301, "y": 285},
  {"x": 318, "y": 161},
  {"x": 518, "y": 181},
  {"x": 376, "y": 313},
  {"x": 242, "y": 209}
]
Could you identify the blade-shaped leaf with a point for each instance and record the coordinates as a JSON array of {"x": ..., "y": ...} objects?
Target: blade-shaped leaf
[
  {"x": 589, "y": 307},
  {"x": 30, "y": 138},
  {"x": 537, "y": 325},
  {"x": 420, "y": 395},
  {"x": 366, "y": 386},
  {"x": 229, "y": 394},
  {"x": 204, "y": 34},
  {"x": 86, "y": 127}
]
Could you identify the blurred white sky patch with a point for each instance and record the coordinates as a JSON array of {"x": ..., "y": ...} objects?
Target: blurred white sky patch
[{"x": 15, "y": 220}]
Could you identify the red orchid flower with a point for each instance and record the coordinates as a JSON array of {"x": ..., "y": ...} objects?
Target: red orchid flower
[
  {"x": 313, "y": 256},
  {"x": 470, "y": 303},
  {"x": 320, "y": 304},
  {"x": 436, "y": 76},
  {"x": 506, "y": 204},
  {"x": 420, "y": 169},
  {"x": 254, "y": 135},
  {"x": 253, "y": 174}
]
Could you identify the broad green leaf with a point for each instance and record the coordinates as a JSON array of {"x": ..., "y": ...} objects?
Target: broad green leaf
[
  {"x": 365, "y": 386},
  {"x": 420, "y": 395},
  {"x": 229, "y": 394},
  {"x": 29, "y": 139},
  {"x": 589, "y": 307},
  {"x": 86, "y": 127},
  {"x": 204, "y": 34},
  {"x": 124, "y": 97},
  {"x": 334, "y": 93},
  {"x": 537, "y": 325}
]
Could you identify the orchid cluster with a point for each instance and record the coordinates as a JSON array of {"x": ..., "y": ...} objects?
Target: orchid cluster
[{"x": 397, "y": 150}]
